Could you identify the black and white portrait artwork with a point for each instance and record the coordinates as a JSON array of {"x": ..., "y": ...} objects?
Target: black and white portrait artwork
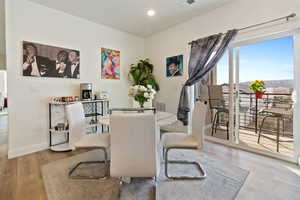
[{"x": 48, "y": 61}]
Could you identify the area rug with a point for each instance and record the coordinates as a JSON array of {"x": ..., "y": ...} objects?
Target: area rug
[{"x": 223, "y": 180}]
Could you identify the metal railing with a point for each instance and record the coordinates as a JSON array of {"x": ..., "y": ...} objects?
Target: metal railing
[{"x": 248, "y": 110}]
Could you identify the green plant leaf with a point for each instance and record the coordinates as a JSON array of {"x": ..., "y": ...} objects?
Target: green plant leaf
[{"x": 142, "y": 74}]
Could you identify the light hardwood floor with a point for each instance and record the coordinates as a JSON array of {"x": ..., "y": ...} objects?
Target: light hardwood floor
[{"x": 20, "y": 178}]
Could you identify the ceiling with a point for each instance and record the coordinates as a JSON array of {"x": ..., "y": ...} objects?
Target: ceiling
[{"x": 130, "y": 15}]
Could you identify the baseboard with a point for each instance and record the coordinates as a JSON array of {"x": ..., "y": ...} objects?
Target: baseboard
[{"x": 13, "y": 153}]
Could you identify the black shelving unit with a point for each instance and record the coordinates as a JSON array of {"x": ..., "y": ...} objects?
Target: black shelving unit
[{"x": 93, "y": 109}]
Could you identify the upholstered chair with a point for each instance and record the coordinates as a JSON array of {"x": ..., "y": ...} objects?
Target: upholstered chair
[
  {"x": 134, "y": 145},
  {"x": 194, "y": 140},
  {"x": 79, "y": 138}
]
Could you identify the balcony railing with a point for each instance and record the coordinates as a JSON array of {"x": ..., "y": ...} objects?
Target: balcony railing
[{"x": 251, "y": 108}]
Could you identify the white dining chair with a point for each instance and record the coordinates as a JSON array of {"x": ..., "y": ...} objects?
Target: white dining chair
[
  {"x": 134, "y": 146},
  {"x": 187, "y": 141},
  {"x": 79, "y": 138}
]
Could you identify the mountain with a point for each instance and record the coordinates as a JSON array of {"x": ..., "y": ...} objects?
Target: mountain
[{"x": 275, "y": 83}]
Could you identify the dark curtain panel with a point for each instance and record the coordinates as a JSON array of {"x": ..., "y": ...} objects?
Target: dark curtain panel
[{"x": 202, "y": 60}]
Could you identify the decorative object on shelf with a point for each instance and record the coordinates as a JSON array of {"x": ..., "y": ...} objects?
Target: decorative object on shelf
[
  {"x": 104, "y": 94},
  {"x": 141, "y": 93},
  {"x": 142, "y": 74},
  {"x": 68, "y": 99},
  {"x": 86, "y": 91},
  {"x": 61, "y": 127},
  {"x": 174, "y": 66},
  {"x": 110, "y": 64},
  {"x": 92, "y": 121},
  {"x": 41, "y": 60},
  {"x": 64, "y": 99},
  {"x": 55, "y": 99},
  {"x": 258, "y": 86}
]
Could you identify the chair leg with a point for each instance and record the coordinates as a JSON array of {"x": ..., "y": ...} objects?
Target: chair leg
[
  {"x": 155, "y": 189},
  {"x": 278, "y": 132},
  {"x": 213, "y": 125},
  {"x": 200, "y": 168},
  {"x": 105, "y": 161},
  {"x": 283, "y": 127},
  {"x": 260, "y": 128},
  {"x": 227, "y": 130},
  {"x": 120, "y": 188},
  {"x": 217, "y": 121}
]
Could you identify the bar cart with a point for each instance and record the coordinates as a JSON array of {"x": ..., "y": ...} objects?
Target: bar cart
[{"x": 94, "y": 110}]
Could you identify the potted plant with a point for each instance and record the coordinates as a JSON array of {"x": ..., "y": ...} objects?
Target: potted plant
[
  {"x": 142, "y": 74},
  {"x": 141, "y": 93},
  {"x": 258, "y": 86}
]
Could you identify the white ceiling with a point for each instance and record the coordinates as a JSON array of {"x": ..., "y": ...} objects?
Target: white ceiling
[
  {"x": 2, "y": 28},
  {"x": 130, "y": 15}
]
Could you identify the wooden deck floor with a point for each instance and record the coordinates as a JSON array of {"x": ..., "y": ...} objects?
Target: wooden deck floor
[{"x": 249, "y": 138}]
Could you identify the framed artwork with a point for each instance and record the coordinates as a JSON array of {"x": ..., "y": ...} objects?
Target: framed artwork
[
  {"x": 174, "y": 66},
  {"x": 41, "y": 60},
  {"x": 110, "y": 64}
]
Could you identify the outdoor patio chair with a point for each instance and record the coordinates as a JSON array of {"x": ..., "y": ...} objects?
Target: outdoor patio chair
[
  {"x": 279, "y": 114},
  {"x": 217, "y": 103}
]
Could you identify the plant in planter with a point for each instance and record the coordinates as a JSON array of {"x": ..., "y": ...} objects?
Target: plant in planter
[
  {"x": 142, "y": 74},
  {"x": 258, "y": 86},
  {"x": 141, "y": 93}
]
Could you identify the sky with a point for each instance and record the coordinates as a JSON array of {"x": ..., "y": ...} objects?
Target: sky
[{"x": 268, "y": 60}]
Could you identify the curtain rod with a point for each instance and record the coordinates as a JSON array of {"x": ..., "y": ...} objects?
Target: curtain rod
[{"x": 287, "y": 18}]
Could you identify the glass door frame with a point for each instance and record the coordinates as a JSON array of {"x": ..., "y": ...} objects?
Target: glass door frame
[{"x": 234, "y": 61}]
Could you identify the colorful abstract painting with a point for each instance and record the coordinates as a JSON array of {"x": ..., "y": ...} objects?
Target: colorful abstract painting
[
  {"x": 174, "y": 66},
  {"x": 110, "y": 64}
]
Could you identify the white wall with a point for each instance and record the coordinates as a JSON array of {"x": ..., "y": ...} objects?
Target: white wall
[
  {"x": 28, "y": 96},
  {"x": 238, "y": 14}
]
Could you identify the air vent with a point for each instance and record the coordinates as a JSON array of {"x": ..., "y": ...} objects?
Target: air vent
[{"x": 190, "y": 1}]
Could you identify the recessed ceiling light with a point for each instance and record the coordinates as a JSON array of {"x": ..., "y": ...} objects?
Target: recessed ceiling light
[{"x": 151, "y": 12}]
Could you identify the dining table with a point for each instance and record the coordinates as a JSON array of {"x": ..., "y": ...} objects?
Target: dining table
[{"x": 163, "y": 119}]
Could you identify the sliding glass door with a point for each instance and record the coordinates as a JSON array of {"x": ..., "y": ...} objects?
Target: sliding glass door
[
  {"x": 263, "y": 114},
  {"x": 261, "y": 121}
]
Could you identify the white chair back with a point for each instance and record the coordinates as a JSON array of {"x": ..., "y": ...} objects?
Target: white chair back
[
  {"x": 134, "y": 145},
  {"x": 199, "y": 121},
  {"x": 76, "y": 120}
]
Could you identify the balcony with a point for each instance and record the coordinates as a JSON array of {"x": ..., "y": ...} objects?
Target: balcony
[{"x": 252, "y": 112}]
